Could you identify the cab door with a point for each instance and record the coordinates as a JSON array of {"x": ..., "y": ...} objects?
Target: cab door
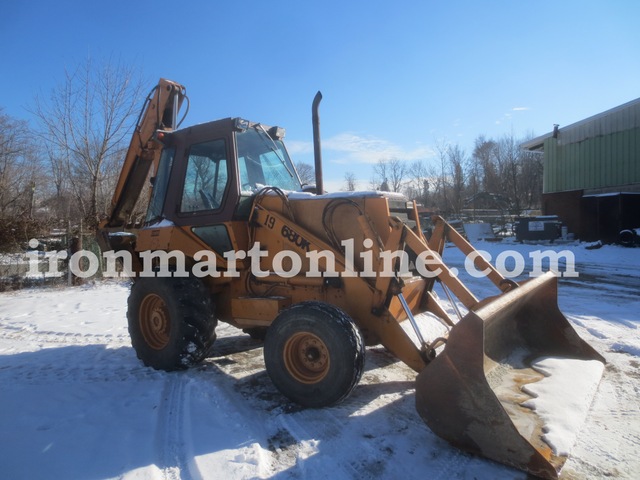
[{"x": 205, "y": 192}]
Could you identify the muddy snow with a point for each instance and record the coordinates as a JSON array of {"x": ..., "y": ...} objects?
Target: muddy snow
[{"x": 76, "y": 403}]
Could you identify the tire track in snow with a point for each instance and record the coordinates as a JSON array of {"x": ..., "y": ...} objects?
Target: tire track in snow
[
  {"x": 301, "y": 440},
  {"x": 294, "y": 439},
  {"x": 171, "y": 436},
  {"x": 69, "y": 358},
  {"x": 67, "y": 373},
  {"x": 374, "y": 422},
  {"x": 30, "y": 334},
  {"x": 307, "y": 438}
]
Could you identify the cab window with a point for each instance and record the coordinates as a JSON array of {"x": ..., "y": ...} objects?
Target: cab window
[
  {"x": 207, "y": 177},
  {"x": 263, "y": 161},
  {"x": 160, "y": 185}
]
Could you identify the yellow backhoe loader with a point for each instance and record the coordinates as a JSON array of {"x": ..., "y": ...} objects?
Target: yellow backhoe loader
[{"x": 231, "y": 235}]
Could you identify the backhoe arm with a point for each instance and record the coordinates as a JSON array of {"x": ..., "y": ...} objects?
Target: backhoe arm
[{"x": 159, "y": 112}]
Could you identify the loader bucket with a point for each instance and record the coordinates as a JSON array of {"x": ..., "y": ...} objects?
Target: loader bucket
[{"x": 471, "y": 394}]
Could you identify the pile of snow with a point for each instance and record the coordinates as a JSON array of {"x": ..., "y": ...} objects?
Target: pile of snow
[{"x": 563, "y": 397}]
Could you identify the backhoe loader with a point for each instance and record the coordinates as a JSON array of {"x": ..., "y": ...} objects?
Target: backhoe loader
[{"x": 231, "y": 235}]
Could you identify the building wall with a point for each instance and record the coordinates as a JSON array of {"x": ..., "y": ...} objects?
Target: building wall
[
  {"x": 592, "y": 173},
  {"x": 566, "y": 205},
  {"x": 594, "y": 217},
  {"x": 592, "y": 163}
]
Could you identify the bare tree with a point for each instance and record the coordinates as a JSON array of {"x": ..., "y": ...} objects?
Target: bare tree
[
  {"x": 474, "y": 183},
  {"x": 417, "y": 187},
  {"x": 379, "y": 178},
  {"x": 531, "y": 178},
  {"x": 501, "y": 169},
  {"x": 22, "y": 183},
  {"x": 390, "y": 174},
  {"x": 17, "y": 169},
  {"x": 306, "y": 172},
  {"x": 507, "y": 154},
  {"x": 350, "y": 181},
  {"x": 457, "y": 162},
  {"x": 442, "y": 177},
  {"x": 484, "y": 157},
  {"x": 85, "y": 124}
]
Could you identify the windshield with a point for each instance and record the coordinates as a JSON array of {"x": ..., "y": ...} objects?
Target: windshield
[{"x": 263, "y": 162}]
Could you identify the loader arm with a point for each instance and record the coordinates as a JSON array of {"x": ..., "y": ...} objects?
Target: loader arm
[
  {"x": 159, "y": 112},
  {"x": 472, "y": 384}
]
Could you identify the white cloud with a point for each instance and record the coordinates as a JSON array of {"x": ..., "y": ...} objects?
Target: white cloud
[
  {"x": 295, "y": 146},
  {"x": 338, "y": 185},
  {"x": 508, "y": 116},
  {"x": 358, "y": 149}
]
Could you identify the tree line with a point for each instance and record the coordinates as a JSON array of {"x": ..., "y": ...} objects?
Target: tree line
[
  {"x": 60, "y": 171},
  {"x": 497, "y": 175}
]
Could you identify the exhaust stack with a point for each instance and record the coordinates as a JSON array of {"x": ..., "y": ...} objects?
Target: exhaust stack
[{"x": 317, "y": 154}]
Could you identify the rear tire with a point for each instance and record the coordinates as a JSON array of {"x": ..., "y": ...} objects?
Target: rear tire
[
  {"x": 171, "y": 322},
  {"x": 314, "y": 354}
]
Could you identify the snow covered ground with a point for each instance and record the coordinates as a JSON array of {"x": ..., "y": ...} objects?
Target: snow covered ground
[{"x": 75, "y": 403}]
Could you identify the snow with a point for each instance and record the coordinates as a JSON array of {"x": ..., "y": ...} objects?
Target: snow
[
  {"x": 159, "y": 224},
  {"x": 355, "y": 194},
  {"x": 478, "y": 231},
  {"x": 76, "y": 403},
  {"x": 563, "y": 397}
]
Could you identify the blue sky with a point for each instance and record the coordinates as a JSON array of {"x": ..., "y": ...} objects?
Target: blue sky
[{"x": 397, "y": 77}]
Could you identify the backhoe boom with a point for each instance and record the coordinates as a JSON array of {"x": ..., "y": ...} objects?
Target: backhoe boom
[{"x": 158, "y": 114}]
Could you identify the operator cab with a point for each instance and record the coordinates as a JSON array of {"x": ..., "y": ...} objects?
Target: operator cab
[{"x": 208, "y": 173}]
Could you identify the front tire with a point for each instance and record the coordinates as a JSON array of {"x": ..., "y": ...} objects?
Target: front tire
[
  {"x": 314, "y": 354},
  {"x": 171, "y": 322}
]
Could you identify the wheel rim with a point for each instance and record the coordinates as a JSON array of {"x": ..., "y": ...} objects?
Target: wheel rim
[
  {"x": 306, "y": 357},
  {"x": 155, "y": 322}
]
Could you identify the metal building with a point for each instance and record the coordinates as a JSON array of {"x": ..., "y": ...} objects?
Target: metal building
[{"x": 592, "y": 173}]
